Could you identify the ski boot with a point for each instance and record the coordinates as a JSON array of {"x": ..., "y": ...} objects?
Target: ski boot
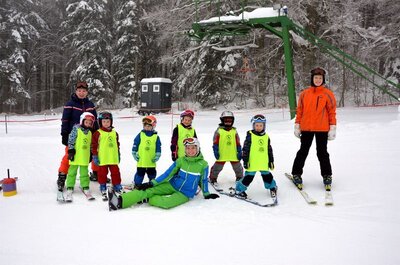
[
  {"x": 298, "y": 181},
  {"x": 68, "y": 197},
  {"x": 274, "y": 192},
  {"x": 242, "y": 194},
  {"x": 61, "y": 181},
  {"x": 93, "y": 176},
  {"x": 114, "y": 201},
  {"x": 327, "y": 179}
]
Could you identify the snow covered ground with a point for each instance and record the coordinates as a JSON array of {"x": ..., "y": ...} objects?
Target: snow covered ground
[{"x": 362, "y": 227}]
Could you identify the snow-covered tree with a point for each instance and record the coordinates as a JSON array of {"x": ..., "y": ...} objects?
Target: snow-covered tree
[{"x": 89, "y": 39}]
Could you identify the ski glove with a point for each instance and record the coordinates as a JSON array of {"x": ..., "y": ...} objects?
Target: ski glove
[
  {"x": 332, "y": 132},
  {"x": 297, "y": 131},
  {"x": 96, "y": 160},
  {"x": 64, "y": 139},
  {"x": 216, "y": 151},
  {"x": 239, "y": 152},
  {"x": 271, "y": 165},
  {"x": 211, "y": 196},
  {"x": 156, "y": 157},
  {"x": 246, "y": 164},
  {"x": 71, "y": 154},
  {"x": 135, "y": 155},
  {"x": 145, "y": 186}
]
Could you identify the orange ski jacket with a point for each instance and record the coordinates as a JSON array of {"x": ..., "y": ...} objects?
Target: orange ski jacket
[{"x": 316, "y": 109}]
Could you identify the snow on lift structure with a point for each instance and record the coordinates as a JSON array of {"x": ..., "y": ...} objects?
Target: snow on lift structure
[{"x": 275, "y": 20}]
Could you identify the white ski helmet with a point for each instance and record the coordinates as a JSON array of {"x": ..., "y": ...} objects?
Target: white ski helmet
[
  {"x": 192, "y": 141},
  {"x": 86, "y": 116}
]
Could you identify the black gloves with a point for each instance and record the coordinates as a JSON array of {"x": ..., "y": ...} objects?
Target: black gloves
[
  {"x": 64, "y": 139},
  {"x": 145, "y": 186},
  {"x": 271, "y": 165},
  {"x": 211, "y": 196},
  {"x": 246, "y": 164},
  {"x": 71, "y": 154}
]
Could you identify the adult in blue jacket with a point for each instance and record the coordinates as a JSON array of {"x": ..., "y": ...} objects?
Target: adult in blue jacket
[{"x": 78, "y": 104}]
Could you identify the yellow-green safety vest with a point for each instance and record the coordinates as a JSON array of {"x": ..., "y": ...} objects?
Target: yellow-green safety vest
[
  {"x": 82, "y": 148},
  {"x": 147, "y": 150},
  {"x": 258, "y": 159},
  {"x": 108, "y": 148},
  {"x": 183, "y": 133},
  {"x": 227, "y": 145}
]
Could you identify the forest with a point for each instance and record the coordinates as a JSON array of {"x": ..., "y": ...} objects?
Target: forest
[{"x": 46, "y": 46}]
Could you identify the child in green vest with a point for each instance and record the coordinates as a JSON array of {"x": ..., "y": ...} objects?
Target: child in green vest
[
  {"x": 257, "y": 156},
  {"x": 226, "y": 147},
  {"x": 176, "y": 186},
  {"x": 146, "y": 150},
  {"x": 182, "y": 131},
  {"x": 106, "y": 153},
  {"x": 79, "y": 154}
]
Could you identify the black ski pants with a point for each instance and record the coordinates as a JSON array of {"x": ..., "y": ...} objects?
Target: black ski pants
[{"x": 306, "y": 139}]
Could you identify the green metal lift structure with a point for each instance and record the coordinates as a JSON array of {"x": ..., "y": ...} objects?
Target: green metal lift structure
[{"x": 281, "y": 25}]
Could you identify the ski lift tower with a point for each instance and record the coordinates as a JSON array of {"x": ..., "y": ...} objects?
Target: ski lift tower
[{"x": 275, "y": 20}]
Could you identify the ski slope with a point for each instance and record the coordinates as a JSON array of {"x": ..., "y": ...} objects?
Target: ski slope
[{"x": 361, "y": 228}]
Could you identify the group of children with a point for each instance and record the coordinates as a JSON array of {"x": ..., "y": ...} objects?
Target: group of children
[{"x": 103, "y": 148}]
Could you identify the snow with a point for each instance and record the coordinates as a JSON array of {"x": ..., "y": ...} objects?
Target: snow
[
  {"x": 263, "y": 12},
  {"x": 16, "y": 35},
  {"x": 156, "y": 80},
  {"x": 361, "y": 228}
]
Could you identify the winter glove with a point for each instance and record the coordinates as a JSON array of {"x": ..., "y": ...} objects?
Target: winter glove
[
  {"x": 271, "y": 165},
  {"x": 216, "y": 151},
  {"x": 64, "y": 139},
  {"x": 156, "y": 157},
  {"x": 96, "y": 160},
  {"x": 297, "y": 131},
  {"x": 144, "y": 186},
  {"x": 239, "y": 152},
  {"x": 332, "y": 132},
  {"x": 246, "y": 164},
  {"x": 211, "y": 196},
  {"x": 71, "y": 154},
  {"x": 135, "y": 155}
]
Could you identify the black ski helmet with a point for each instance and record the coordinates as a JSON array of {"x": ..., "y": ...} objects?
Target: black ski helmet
[{"x": 105, "y": 116}]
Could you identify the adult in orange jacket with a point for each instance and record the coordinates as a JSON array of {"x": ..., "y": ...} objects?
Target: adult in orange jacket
[{"x": 315, "y": 116}]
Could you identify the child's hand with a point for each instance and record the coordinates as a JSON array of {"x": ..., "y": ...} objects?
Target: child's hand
[
  {"x": 135, "y": 155},
  {"x": 246, "y": 164},
  {"x": 156, "y": 157},
  {"x": 71, "y": 154},
  {"x": 271, "y": 165}
]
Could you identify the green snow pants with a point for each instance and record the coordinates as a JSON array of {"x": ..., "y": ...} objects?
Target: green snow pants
[
  {"x": 162, "y": 195},
  {"x": 83, "y": 176}
]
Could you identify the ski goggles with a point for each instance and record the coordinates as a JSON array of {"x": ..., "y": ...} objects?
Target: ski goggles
[
  {"x": 81, "y": 85},
  {"x": 190, "y": 141},
  {"x": 258, "y": 119},
  {"x": 105, "y": 116}
]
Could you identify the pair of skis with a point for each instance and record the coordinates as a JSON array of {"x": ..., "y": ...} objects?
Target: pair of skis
[
  {"x": 61, "y": 198},
  {"x": 232, "y": 193},
  {"x": 308, "y": 198}
]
